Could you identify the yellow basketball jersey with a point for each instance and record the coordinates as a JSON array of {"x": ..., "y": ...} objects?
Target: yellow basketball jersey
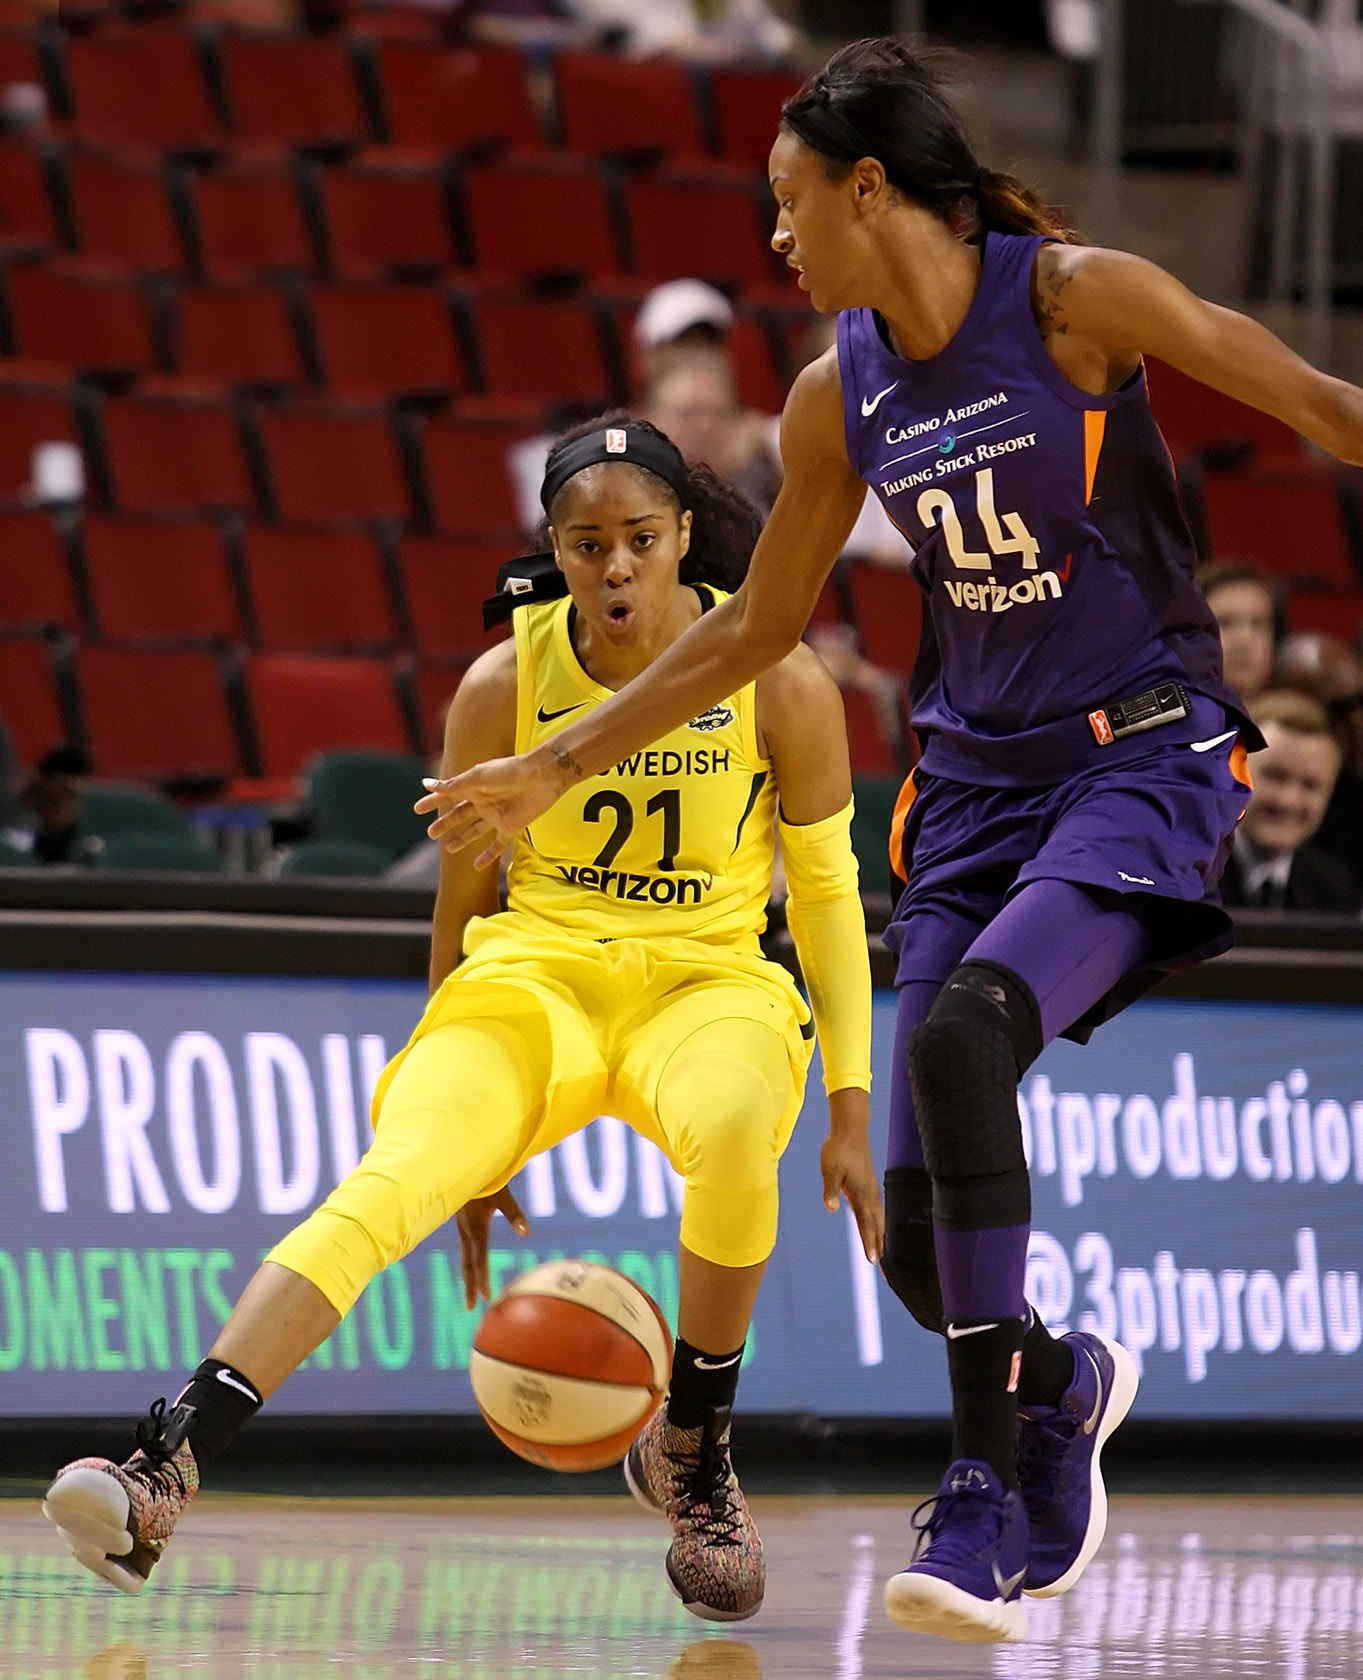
[{"x": 675, "y": 840}]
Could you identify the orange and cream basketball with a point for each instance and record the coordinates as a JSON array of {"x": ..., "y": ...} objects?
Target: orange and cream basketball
[{"x": 569, "y": 1364}]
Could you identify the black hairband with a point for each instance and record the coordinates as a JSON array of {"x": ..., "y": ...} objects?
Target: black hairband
[{"x": 633, "y": 446}]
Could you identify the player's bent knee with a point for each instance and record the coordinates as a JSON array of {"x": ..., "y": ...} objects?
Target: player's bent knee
[
  {"x": 965, "y": 1061},
  {"x": 910, "y": 1258},
  {"x": 723, "y": 1116}
]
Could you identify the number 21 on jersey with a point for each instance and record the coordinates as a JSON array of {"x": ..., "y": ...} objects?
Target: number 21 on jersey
[{"x": 1008, "y": 535}]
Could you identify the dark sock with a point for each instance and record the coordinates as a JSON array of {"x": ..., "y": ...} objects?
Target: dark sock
[
  {"x": 701, "y": 1380},
  {"x": 222, "y": 1401},
  {"x": 983, "y": 1364},
  {"x": 1047, "y": 1365}
]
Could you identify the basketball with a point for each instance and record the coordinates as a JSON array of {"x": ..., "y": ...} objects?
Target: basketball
[{"x": 569, "y": 1364}]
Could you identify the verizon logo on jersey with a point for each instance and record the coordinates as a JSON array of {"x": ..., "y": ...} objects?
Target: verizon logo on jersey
[
  {"x": 1000, "y": 597},
  {"x": 638, "y": 889}
]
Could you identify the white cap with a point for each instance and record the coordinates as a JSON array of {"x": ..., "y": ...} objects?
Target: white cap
[{"x": 671, "y": 309}]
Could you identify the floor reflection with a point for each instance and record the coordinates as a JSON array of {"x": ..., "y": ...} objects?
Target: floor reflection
[{"x": 538, "y": 1590}]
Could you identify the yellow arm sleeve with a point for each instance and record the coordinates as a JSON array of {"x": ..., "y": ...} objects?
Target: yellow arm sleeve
[{"x": 826, "y": 921}]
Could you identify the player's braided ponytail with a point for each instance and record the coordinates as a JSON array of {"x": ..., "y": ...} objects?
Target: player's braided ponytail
[
  {"x": 724, "y": 523},
  {"x": 885, "y": 98}
]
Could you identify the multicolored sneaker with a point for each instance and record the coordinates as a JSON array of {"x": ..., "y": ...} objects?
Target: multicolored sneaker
[
  {"x": 715, "y": 1561},
  {"x": 965, "y": 1581},
  {"x": 1058, "y": 1449},
  {"x": 117, "y": 1518}
]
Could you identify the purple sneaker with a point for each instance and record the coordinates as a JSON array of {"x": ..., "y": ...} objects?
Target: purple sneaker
[
  {"x": 1058, "y": 1450},
  {"x": 966, "y": 1580}
]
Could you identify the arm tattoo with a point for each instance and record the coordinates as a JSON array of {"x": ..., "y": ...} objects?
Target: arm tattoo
[
  {"x": 1050, "y": 308},
  {"x": 565, "y": 760}
]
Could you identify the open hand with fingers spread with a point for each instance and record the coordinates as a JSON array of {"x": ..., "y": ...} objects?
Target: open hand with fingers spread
[{"x": 491, "y": 803}]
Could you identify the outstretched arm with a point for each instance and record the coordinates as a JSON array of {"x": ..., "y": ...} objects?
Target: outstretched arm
[
  {"x": 723, "y": 650},
  {"x": 1126, "y": 306}
]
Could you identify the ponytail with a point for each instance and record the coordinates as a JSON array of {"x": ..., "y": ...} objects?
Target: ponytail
[
  {"x": 885, "y": 98},
  {"x": 724, "y": 523}
]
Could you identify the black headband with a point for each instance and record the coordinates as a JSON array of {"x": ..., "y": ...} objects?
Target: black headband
[{"x": 630, "y": 444}]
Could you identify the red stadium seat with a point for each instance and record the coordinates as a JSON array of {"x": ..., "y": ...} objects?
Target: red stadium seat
[
  {"x": 454, "y": 99},
  {"x": 303, "y": 704},
  {"x": 747, "y": 106},
  {"x": 470, "y": 483},
  {"x": 445, "y": 583},
  {"x": 329, "y": 464},
  {"x": 889, "y": 613},
  {"x": 175, "y": 453},
  {"x": 160, "y": 580},
  {"x": 32, "y": 701},
  {"x": 541, "y": 214},
  {"x": 757, "y": 372},
  {"x": 241, "y": 334},
  {"x": 19, "y": 59},
  {"x": 36, "y": 583},
  {"x": 386, "y": 216},
  {"x": 619, "y": 106},
  {"x": 249, "y": 219},
  {"x": 545, "y": 350},
  {"x": 435, "y": 681},
  {"x": 871, "y": 753},
  {"x": 1291, "y": 519},
  {"x": 1197, "y": 420},
  {"x": 318, "y": 591},
  {"x": 298, "y": 90},
  {"x": 131, "y": 731},
  {"x": 382, "y": 340},
  {"x": 27, "y": 219},
  {"x": 701, "y": 221},
  {"x": 1334, "y": 612},
  {"x": 142, "y": 83},
  {"x": 122, "y": 209},
  {"x": 79, "y": 316},
  {"x": 35, "y": 408}
]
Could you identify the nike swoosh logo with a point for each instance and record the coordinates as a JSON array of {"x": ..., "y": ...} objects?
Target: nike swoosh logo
[
  {"x": 1091, "y": 1421},
  {"x": 1216, "y": 740},
  {"x": 871, "y": 404},
  {"x": 548, "y": 717},
  {"x": 717, "y": 1364},
  {"x": 1006, "y": 1586},
  {"x": 956, "y": 1331},
  {"x": 241, "y": 1388}
]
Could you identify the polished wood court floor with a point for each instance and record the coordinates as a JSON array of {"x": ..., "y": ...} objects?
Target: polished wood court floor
[{"x": 538, "y": 1589}]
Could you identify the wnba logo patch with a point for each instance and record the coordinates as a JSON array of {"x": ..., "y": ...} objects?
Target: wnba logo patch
[{"x": 617, "y": 440}]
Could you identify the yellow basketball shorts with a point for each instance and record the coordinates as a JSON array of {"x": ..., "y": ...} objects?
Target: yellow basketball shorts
[{"x": 701, "y": 1049}]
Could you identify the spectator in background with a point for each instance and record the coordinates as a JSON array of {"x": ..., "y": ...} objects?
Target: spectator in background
[
  {"x": 1326, "y": 668},
  {"x": 1243, "y": 600},
  {"x": 703, "y": 31},
  {"x": 1273, "y": 864},
  {"x": 16, "y": 821},
  {"x": 693, "y": 398},
  {"x": 678, "y": 315}
]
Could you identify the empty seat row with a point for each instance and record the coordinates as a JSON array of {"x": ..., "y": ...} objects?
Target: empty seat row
[
  {"x": 544, "y": 215},
  {"x": 248, "y": 724},
  {"x": 378, "y": 342},
  {"x": 259, "y": 716},
  {"x": 141, "y": 581},
  {"x": 172, "y": 87}
]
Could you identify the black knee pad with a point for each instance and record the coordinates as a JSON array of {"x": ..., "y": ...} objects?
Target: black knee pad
[
  {"x": 910, "y": 1258},
  {"x": 965, "y": 1060}
]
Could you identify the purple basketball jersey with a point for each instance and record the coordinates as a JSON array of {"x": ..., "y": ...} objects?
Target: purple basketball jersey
[{"x": 1047, "y": 536}]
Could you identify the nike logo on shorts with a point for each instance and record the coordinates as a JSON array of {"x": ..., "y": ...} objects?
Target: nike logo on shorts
[
  {"x": 870, "y": 404},
  {"x": 1216, "y": 741},
  {"x": 548, "y": 717}
]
